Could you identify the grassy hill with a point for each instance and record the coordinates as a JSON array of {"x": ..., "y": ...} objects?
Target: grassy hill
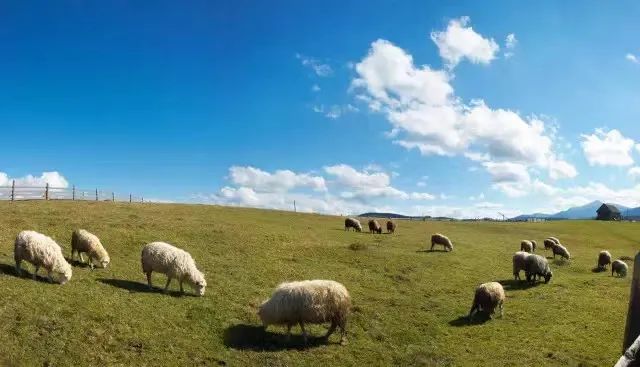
[{"x": 408, "y": 304}]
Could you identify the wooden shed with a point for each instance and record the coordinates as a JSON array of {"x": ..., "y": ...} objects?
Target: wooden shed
[{"x": 608, "y": 212}]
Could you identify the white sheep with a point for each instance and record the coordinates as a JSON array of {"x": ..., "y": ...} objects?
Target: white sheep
[
  {"x": 519, "y": 263},
  {"x": 308, "y": 301},
  {"x": 604, "y": 259},
  {"x": 526, "y": 246},
  {"x": 175, "y": 263},
  {"x": 352, "y": 223},
  {"x": 83, "y": 241},
  {"x": 537, "y": 266},
  {"x": 41, "y": 251},
  {"x": 558, "y": 249},
  {"x": 550, "y": 242},
  {"x": 440, "y": 239},
  {"x": 487, "y": 297},
  {"x": 620, "y": 268}
]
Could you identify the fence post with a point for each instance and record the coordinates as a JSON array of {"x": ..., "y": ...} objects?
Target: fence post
[
  {"x": 142, "y": 199},
  {"x": 632, "y": 329},
  {"x": 13, "y": 190},
  {"x": 46, "y": 192},
  {"x": 113, "y": 196},
  {"x": 129, "y": 197},
  {"x": 73, "y": 193},
  {"x": 96, "y": 194}
]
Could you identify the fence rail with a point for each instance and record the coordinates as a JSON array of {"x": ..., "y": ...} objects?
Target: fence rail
[{"x": 47, "y": 192}]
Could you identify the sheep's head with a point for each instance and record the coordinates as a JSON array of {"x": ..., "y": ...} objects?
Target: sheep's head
[
  {"x": 198, "y": 283},
  {"x": 547, "y": 277},
  {"x": 65, "y": 276},
  {"x": 263, "y": 313}
]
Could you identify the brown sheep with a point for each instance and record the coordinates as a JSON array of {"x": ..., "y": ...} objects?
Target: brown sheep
[
  {"x": 375, "y": 227},
  {"x": 391, "y": 227}
]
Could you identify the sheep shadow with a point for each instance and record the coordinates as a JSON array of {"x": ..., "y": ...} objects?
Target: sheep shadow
[
  {"x": 11, "y": 270},
  {"x": 138, "y": 287},
  {"x": 598, "y": 269},
  {"x": 516, "y": 285},
  {"x": 77, "y": 263},
  {"x": 256, "y": 338},
  {"x": 434, "y": 250},
  {"x": 560, "y": 262},
  {"x": 478, "y": 319}
]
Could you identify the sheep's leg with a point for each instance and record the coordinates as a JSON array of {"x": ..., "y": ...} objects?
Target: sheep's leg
[
  {"x": 19, "y": 270},
  {"x": 343, "y": 332},
  {"x": 289, "y": 326},
  {"x": 332, "y": 328},
  {"x": 432, "y": 244},
  {"x": 35, "y": 273},
  {"x": 474, "y": 308},
  {"x": 304, "y": 333},
  {"x": 72, "y": 254},
  {"x": 90, "y": 262},
  {"x": 181, "y": 289},
  {"x": 167, "y": 285},
  {"x": 49, "y": 277},
  {"x": 501, "y": 309},
  {"x": 149, "y": 280},
  {"x": 81, "y": 258}
]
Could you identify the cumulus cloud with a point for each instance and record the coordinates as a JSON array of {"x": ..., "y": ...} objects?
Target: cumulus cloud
[
  {"x": 280, "y": 180},
  {"x": 424, "y": 114},
  {"x": 634, "y": 172},
  {"x": 460, "y": 41},
  {"x": 633, "y": 58},
  {"x": 319, "y": 68},
  {"x": 610, "y": 148},
  {"x": 54, "y": 179}
]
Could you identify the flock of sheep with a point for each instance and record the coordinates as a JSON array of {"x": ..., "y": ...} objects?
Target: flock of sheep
[{"x": 292, "y": 303}]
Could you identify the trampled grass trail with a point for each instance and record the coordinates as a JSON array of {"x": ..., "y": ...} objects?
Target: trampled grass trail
[{"x": 409, "y": 304}]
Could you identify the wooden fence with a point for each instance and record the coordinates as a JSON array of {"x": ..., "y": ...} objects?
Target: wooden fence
[{"x": 14, "y": 193}]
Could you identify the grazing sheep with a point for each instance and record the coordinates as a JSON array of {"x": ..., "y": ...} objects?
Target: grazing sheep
[
  {"x": 519, "y": 263},
  {"x": 440, "y": 239},
  {"x": 537, "y": 266},
  {"x": 558, "y": 249},
  {"x": 535, "y": 244},
  {"x": 308, "y": 301},
  {"x": 604, "y": 259},
  {"x": 488, "y": 296},
  {"x": 41, "y": 250},
  {"x": 83, "y": 241},
  {"x": 620, "y": 268},
  {"x": 554, "y": 239},
  {"x": 391, "y": 227},
  {"x": 352, "y": 223},
  {"x": 375, "y": 227},
  {"x": 526, "y": 246},
  {"x": 175, "y": 263}
]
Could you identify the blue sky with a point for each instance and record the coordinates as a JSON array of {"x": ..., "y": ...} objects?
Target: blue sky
[{"x": 462, "y": 109}]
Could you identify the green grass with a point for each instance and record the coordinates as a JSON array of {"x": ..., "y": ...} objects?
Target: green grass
[{"x": 408, "y": 304}]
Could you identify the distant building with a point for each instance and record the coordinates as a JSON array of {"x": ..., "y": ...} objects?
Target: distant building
[
  {"x": 535, "y": 219},
  {"x": 608, "y": 212}
]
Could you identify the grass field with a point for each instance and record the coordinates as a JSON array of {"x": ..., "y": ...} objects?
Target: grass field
[{"x": 409, "y": 304}]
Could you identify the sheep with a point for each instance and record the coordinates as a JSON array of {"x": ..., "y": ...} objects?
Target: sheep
[
  {"x": 41, "y": 250},
  {"x": 391, "y": 227},
  {"x": 537, "y": 266},
  {"x": 83, "y": 241},
  {"x": 440, "y": 239},
  {"x": 352, "y": 223},
  {"x": 604, "y": 259},
  {"x": 554, "y": 239},
  {"x": 519, "y": 263},
  {"x": 558, "y": 249},
  {"x": 620, "y": 268},
  {"x": 175, "y": 263},
  {"x": 308, "y": 301},
  {"x": 488, "y": 296},
  {"x": 535, "y": 244},
  {"x": 526, "y": 246},
  {"x": 375, "y": 227}
]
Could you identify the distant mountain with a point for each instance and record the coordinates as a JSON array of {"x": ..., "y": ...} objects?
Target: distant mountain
[{"x": 586, "y": 211}]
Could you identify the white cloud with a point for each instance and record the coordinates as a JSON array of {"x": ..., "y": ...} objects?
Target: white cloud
[
  {"x": 315, "y": 88},
  {"x": 334, "y": 111},
  {"x": 633, "y": 58},
  {"x": 607, "y": 148},
  {"x": 507, "y": 172},
  {"x": 460, "y": 41},
  {"x": 488, "y": 205},
  {"x": 319, "y": 68},
  {"x": 421, "y": 184},
  {"x": 478, "y": 197},
  {"x": 280, "y": 180},
  {"x": 634, "y": 172},
  {"x": 510, "y": 43},
  {"x": 425, "y": 114},
  {"x": 54, "y": 179}
]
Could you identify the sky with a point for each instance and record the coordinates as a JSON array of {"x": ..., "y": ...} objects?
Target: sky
[{"x": 463, "y": 109}]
